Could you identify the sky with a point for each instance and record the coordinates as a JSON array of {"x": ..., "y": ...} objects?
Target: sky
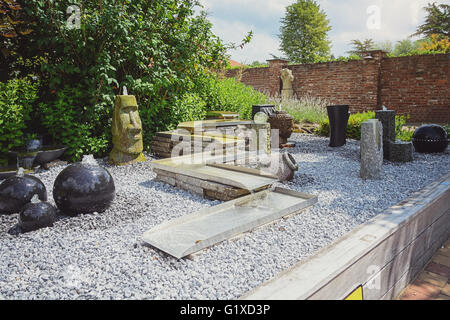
[{"x": 379, "y": 20}]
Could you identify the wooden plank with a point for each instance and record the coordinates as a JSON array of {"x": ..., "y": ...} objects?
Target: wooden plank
[
  {"x": 380, "y": 256},
  {"x": 420, "y": 263},
  {"x": 381, "y": 282},
  {"x": 406, "y": 279},
  {"x": 336, "y": 270}
]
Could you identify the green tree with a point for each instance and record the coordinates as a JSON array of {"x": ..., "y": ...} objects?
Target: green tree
[
  {"x": 360, "y": 47},
  {"x": 406, "y": 46},
  {"x": 386, "y": 46},
  {"x": 14, "y": 30},
  {"x": 436, "y": 22},
  {"x": 158, "y": 49},
  {"x": 304, "y": 31},
  {"x": 258, "y": 64}
]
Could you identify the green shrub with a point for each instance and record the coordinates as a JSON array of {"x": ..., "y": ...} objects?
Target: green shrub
[
  {"x": 159, "y": 50},
  {"x": 190, "y": 107},
  {"x": 353, "y": 127},
  {"x": 230, "y": 95},
  {"x": 400, "y": 133},
  {"x": 354, "y": 124},
  {"x": 447, "y": 127},
  {"x": 68, "y": 120},
  {"x": 16, "y": 100}
]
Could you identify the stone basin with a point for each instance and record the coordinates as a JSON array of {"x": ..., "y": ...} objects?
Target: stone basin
[
  {"x": 46, "y": 154},
  {"x": 49, "y": 153}
]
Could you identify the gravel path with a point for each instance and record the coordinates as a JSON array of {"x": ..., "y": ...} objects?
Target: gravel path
[{"x": 101, "y": 256}]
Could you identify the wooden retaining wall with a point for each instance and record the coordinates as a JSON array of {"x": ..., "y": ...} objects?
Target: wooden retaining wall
[{"x": 383, "y": 255}]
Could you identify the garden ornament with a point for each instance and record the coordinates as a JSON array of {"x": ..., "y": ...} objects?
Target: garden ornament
[{"x": 127, "y": 132}]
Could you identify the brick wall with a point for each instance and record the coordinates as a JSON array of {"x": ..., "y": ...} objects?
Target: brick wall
[{"x": 418, "y": 85}]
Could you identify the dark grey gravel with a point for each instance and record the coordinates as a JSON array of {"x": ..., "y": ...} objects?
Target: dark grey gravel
[{"x": 101, "y": 256}]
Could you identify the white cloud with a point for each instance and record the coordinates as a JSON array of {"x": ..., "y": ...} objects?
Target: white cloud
[
  {"x": 260, "y": 47},
  {"x": 260, "y": 8},
  {"x": 232, "y": 20}
]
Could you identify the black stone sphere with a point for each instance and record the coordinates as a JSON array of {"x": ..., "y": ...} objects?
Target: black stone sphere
[
  {"x": 17, "y": 191},
  {"x": 35, "y": 216},
  {"x": 83, "y": 188},
  {"x": 430, "y": 138}
]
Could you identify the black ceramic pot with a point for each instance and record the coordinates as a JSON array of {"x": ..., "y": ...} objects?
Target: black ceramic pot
[
  {"x": 17, "y": 191},
  {"x": 266, "y": 108},
  {"x": 338, "y": 116},
  {"x": 430, "y": 138},
  {"x": 82, "y": 188},
  {"x": 35, "y": 216}
]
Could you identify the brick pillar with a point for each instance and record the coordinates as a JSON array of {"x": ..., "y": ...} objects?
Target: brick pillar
[
  {"x": 274, "y": 79},
  {"x": 371, "y": 81}
]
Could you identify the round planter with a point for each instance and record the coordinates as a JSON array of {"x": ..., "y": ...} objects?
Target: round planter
[
  {"x": 35, "y": 216},
  {"x": 82, "y": 188},
  {"x": 17, "y": 191},
  {"x": 430, "y": 138}
]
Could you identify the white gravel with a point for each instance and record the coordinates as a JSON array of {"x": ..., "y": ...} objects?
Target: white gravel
[{"x": 101, "y": 256}]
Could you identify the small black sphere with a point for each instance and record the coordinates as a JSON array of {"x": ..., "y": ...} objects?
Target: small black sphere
[
  {"x": 82, "y": 188},
  {"x": 430, "y": 138},
  {"x": 17, "y": 191},
  {"x": 35, "y": 216}
]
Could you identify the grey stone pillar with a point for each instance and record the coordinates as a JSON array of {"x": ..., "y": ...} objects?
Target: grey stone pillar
[{"x": 371, "y": 149}]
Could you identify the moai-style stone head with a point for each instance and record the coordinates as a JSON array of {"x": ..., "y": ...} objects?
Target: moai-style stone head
[{"x": 126, "y": 132}]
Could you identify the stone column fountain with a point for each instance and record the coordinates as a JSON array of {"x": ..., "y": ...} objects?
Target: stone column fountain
[{"x": 395, "y": 151}]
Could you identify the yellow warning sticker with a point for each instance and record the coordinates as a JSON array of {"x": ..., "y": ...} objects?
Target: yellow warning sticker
[{"x": 356, "y": 295}]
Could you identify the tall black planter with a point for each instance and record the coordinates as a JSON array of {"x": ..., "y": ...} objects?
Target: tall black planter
[
  {"x": 338, "y": 116},
  {"x": 266, "y": 108}
]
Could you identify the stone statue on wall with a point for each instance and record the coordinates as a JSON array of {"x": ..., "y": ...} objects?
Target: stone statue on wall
[
  {"x": 287, "y": 78},
  {"x": 126, "y": 132}
]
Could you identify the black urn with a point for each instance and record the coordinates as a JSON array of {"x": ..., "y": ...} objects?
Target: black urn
[
  {"x": 430, "y": 138},
  {"x": 83, "y": 188},
  {"x": 338, "y": 116},
  {"x": 266, "y": 108},
  {"x": 18, "y": 190},
  {"x": 35, "y": 216}
]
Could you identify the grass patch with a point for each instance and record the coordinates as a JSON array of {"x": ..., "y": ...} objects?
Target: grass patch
[{"x": 306, "y": 109}]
